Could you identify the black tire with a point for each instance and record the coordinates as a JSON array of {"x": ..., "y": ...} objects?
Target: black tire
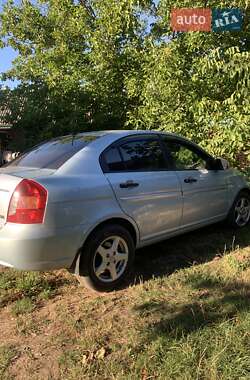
[
  {"x": 233, "y": 213},
  {"x": 89, "y": 256}
]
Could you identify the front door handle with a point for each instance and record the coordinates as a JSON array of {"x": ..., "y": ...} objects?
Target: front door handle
[
  {"x": 127, "y": 184},
  {"x": 190, "y": 180}
]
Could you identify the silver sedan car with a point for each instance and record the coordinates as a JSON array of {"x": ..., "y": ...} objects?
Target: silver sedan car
[{"x": 85, "y": 202}]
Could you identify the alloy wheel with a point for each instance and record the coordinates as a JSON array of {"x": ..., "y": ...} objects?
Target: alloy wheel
[
  {"x": 110, "y": 259},
  {"x": 242, "y": 212}
]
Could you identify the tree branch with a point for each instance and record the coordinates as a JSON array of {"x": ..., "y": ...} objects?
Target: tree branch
[{"x": 88, "y": 8}]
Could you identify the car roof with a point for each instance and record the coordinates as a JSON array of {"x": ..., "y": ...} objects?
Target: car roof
[
  {"x": 123, "y": 132},
  {"x": 105, "y": 138},
  {"x": 112, "y": 135}
]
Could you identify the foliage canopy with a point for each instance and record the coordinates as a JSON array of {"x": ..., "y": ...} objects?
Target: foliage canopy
[{"x": 103, "y": 64}]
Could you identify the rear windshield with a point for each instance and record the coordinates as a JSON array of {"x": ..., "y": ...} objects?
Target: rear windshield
[{"x": 54, "y": 153}]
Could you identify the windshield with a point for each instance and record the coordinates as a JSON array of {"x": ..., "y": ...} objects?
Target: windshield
[{"x": 53, "y": 154}]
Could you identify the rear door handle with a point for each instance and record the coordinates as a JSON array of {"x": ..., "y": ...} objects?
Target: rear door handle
[
  {"x": 190, "y": 180},
  {"x": 126, "y": 185}
]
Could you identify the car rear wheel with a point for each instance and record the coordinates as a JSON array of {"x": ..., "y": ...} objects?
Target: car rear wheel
[
  {"x": 239, "y": 215},
  {"x": 106, "y": 259}
]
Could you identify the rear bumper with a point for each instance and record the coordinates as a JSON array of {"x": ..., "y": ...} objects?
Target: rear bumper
[{"x": 35, "y": 247}]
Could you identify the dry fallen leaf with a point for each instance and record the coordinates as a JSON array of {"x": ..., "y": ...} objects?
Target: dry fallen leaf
[
  {"x": 144, "y": 374},
  {"x": 100, "y": 354},
  {"x": 84, "y": 359}
]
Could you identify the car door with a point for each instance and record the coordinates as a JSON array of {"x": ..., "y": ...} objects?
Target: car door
[
  {"x": 137, "y": 169},
  {"x": 205, "y": 190}
]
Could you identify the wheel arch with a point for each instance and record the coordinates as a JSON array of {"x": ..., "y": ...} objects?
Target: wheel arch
[
  {"x": 128, "y": 224},
  {"x": 132, "y": 229},
  {"x": 234, "y": 197},
  {"x": 247, "y": 189}
]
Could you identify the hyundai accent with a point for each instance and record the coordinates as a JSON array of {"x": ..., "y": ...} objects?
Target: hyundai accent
[{"x": 85, "y": 202}]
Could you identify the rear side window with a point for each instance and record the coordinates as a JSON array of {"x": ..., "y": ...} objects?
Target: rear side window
[
  {"x": 53, "y": 154},
  {"x": 143, "y": 155},
  {"x": 113, "y": 160},
  {"x": 135, "y": 155}
]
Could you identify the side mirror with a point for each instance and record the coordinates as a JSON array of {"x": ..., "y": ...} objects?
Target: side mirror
[{"x": 221, "y": 164}]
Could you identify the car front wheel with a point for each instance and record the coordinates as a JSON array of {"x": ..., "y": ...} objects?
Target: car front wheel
[
  {"x": 239, "y": 215},
  {"x": 107, "y": 258}
]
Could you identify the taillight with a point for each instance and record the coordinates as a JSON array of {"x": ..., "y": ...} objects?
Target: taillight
[{"x": 28, "y": 203}]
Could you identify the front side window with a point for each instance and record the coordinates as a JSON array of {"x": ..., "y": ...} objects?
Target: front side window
[{"x": 185, "y": 157}]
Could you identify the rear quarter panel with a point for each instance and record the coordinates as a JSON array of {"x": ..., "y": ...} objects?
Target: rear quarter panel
[{"x": 84, "y": 201}]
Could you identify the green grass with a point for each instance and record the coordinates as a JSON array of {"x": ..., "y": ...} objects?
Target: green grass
[
  {"x": 204, "y": 337},
  {"x": 7, "y": 355},
  {"x": 15, "y": 285},
  {"x": 185, "y": 317},
  {"x": 22, "y": 306}
]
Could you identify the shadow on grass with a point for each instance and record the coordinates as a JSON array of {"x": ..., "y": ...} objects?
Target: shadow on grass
[
  {"x": 193, "y": 248},
  {"x": 214, "y": 300},
  {"x": 213, "y": 304}
]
